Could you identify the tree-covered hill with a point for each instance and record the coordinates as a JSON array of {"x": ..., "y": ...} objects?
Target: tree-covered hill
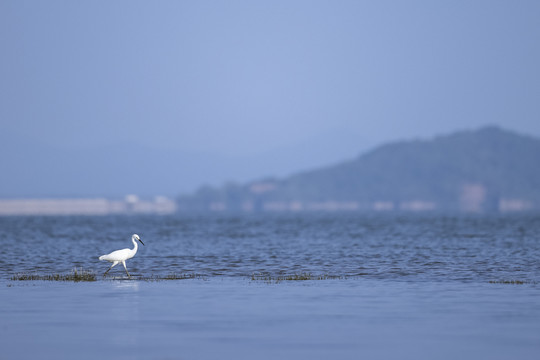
[{"x": 484, "y": 170}]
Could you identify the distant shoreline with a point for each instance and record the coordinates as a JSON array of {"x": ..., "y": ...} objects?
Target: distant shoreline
[{"x": 87, "y": 206}]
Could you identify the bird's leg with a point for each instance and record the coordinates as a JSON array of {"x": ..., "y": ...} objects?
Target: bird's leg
[
  {"x": 113, "y": 265},
  {"x": 124, "y": 263}
]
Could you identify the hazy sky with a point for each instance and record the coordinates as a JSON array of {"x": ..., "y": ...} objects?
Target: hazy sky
[{"x": 159, "y": 97}]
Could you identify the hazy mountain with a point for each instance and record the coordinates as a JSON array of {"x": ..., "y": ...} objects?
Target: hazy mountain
[{"x": 487, "y": 169}]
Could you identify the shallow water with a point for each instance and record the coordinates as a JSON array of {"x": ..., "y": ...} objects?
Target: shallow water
[
  {"x": 238, "y": 319},
  {"x": 416, "y": 288}
]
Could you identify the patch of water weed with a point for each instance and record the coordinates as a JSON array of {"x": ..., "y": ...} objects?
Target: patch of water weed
[
  {"x": 75, "y": 275},
  {"x": 294, "y": 277},
  {"x": 175, "y": 276},
  {"x": 168, "y": 277},
  {"x": 512, "y": 282}
]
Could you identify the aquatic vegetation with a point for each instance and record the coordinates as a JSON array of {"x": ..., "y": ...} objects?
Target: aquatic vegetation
[
  {"x": 174, "y": 276},
  {"x": 168, "y": 277},
  {"x": 295, "y": 277},
  {"x": 75, "y": 275},
  {"x": 512, "y": 282}
]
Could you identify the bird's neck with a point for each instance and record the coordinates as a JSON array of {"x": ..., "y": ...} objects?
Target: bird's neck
[{"x": 135, "y": 246}]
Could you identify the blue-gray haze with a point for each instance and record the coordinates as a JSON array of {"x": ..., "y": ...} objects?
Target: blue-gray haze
[{"x": 108, "y": 98}]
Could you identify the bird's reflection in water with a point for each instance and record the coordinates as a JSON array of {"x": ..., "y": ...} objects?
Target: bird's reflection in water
[{"x": 126, "y": 284}]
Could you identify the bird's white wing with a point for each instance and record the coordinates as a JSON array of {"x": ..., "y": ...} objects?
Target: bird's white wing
[{"x": 117, "y": 255}]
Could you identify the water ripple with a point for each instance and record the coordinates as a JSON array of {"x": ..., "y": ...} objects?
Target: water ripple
[{"x": 412, "y": 248}]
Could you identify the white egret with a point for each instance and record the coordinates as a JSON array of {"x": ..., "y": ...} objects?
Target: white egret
[{"x": 120, "y": 256}]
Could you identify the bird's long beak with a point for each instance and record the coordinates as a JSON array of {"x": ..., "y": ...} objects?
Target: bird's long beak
[{"x": 140, "y": 241}]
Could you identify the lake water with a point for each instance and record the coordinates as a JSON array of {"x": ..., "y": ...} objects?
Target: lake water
[{"x": 410, "y": 287}]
